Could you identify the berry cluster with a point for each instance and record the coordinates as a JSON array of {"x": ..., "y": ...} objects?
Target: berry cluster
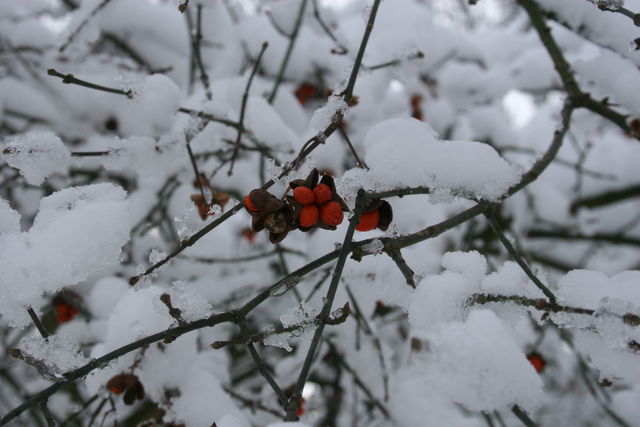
[
  {"x": 316, "y": 203},
  {"x": 313, "y": 202}
]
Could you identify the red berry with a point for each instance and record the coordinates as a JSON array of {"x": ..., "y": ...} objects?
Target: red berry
[
  {"x": 249, "y": 204},
  {"x": 331, "y": 213},
  {"x": 65, "y": 312},
  {"x": 305, "y": 92},
  {"x": 537, "y": 361},
  {"x": 300, "y": 410},
  {"x": 322, "y": 193},
  {"x": 308, "y": 216},
  {"x": 303, "y": 195},
  {"x": 248, "y": 234},
  {"x": 368, "y": 221}
]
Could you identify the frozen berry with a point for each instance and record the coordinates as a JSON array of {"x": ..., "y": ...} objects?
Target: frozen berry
[
  {"x": 308, "y": 216},
  {"x": 249, "y": 204},
  {"x": 303, "y": 195},
  {"x": 368, "y": 221},
  {"x": 331, "y": 213},
  {"x": 322, "y": 193},
  {"x": 537, "y": 361}
]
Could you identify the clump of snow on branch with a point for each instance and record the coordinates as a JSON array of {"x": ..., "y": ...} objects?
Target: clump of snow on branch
[
  {"x": 478, "y": 364},
  {"x": 78, "y": 231},
  {"x": 37, "y": 154},
  {"x": 54, "y": 356},
  {"x": 407, "y": 152},
  {"x": 152, "y": 109},
  {"x": 190, "y": 302}
]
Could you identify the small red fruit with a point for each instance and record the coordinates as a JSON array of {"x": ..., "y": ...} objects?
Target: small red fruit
[
  {"x": 308, "y": 216},
  {"x": 249, "y": 204},
  {"x": 331, "y": 213},
  {"x": 300, "y": 410},
  {"x": 303, "y": 195},
  {"x": 322, "y": 193},
  {"x": 368, "y": 221},
  {"x": 115, "y": 390},
  {"x": 537, "y": 361},
  {"x": 248, "y": 234},
  {"x": 65, "y": 312},
  {"x": 305, "y": 92}
]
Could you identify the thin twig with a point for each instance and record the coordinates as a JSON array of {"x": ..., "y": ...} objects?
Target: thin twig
[
  {"x": 359, "y": 163},
  {"x": 361, "y": 385},
  {"x": 76, "y": 414},
  {"x": 616, "y": 239},
  {"x": 38, "y": 323},
  {"x": 394, "y": 62},
  {"x": 630, "y": 319},
  {"x": 71, "y": 79},
  {"x": 518, "y": 259},
  {"x": 243, "y": 107},
  {"x": 602, "y": 5},
  {"x": 285, "y": 61},
  {"x": 340, "y": 50},
  {"x": 362, "y": 320},
  {"x": 250, "y": 403},
  {"x": 606, "y": 198},
  {"x": 407, "y": 272},
  {"x": 83, "y": 24},
  {"x": 522, "y": 416},
  {"x": 196, "y": 39},
  {"x": 263, "y": 369},
  {"x": 47, "y": 414}
]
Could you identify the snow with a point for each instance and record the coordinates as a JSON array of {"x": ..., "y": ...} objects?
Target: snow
[
  {"x": 439, "y": 298},
  {"x": 478, "y": 364},
  {"x": 586, "y": 288},
  {"x": 9, "y": 219},
  {"x": 105, "y": 294},
  {"x": 509, "y": 279},
  {"x": 37, "y": 154},
  {"x": 151, "y": 110},
  {"x": 323, "y": 116},
  {"x": 192, "y": 304},
  {"x": 408, "y": 153},
  {"x": 93, "y": 223},
  {"x": 203, "y": 400},
  {"x": 58, "y": 354},
  {"x": 301, "y": 314}
]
